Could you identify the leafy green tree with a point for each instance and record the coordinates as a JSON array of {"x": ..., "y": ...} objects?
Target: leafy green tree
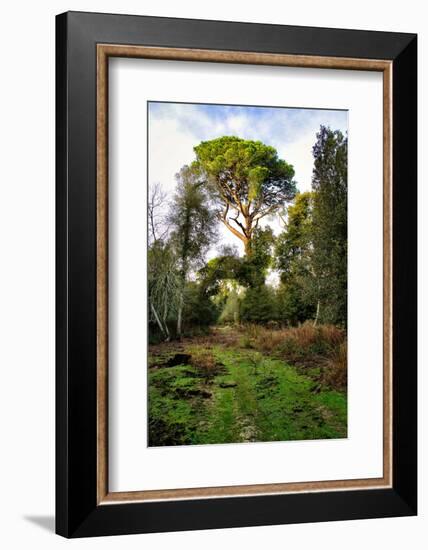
[
  {"x": 222, "y": 268},
  {"x": 247, "y": 180},
  {"x": 254, "y": 266},
  {"x": 293, "y": 304},
  {"x": 199, "y": 308},
  {"x": 247, "y": 271},
  {"x": 193, "y": 228},
  {"x": 330, "y": 186},
  {"x": 298, "y": 292},
  {"x": 294, "y": 245},
  {"x": 259, "y": 305}
]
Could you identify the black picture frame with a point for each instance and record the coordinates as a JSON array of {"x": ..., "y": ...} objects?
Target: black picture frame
[{"x": 77, "y": 511}]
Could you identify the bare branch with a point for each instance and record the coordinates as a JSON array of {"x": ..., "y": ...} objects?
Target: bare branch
[
  {"x": 239, "y": 224},
  {"x": 157, "y": 199}
]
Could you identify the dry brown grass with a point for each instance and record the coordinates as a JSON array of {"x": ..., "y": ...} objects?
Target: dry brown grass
[
  {"x": 335, "y": 369},
  {"x": 307, "y": 347},
  {"x": 203, "y": 359},
  {"x": 304, "y": 336},
  {"x": 206, "y": 364},
  {"x": 332, "y": 334}
]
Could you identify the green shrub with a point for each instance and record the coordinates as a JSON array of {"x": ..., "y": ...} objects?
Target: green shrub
[{"x": 258, "y": 305}]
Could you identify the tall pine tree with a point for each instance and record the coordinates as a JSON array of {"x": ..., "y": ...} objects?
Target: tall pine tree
[{"x": 330, "y": 228}]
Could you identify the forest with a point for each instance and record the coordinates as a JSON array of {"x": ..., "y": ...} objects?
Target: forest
[{"x": 247, "y": 341}]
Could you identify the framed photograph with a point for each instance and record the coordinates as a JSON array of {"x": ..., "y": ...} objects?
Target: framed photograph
[{"x": 236, "y": 274}]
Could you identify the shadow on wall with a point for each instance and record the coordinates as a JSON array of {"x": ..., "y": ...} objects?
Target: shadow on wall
[{"x": 45, "y": 522}]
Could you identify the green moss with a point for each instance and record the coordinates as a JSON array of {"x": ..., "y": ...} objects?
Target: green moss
[{"x": 252, "y": 398}]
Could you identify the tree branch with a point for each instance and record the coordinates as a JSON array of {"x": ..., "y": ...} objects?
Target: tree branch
[
  {"x": 234, "y": 231},
  {"x": 239, "y": 224}
]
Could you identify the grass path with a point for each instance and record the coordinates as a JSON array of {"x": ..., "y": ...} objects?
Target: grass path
[{"x": 251, "y": 398}]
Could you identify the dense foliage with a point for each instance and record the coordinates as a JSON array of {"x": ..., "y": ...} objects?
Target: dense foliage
[
  {"x": 238, "y": 183},
  {"x": 330, "y": 229},
  {"x": 247, "y": 180}
]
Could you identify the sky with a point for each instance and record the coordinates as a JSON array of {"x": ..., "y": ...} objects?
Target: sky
[{"x": 175, "y": 128}]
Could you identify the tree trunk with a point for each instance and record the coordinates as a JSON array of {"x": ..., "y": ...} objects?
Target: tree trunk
[
  {"x": 184, "y": 270},
  {"x": 317, "y": 314},
  {"x": 248, "y": 234},
  {"x": 247, "y": 246},
  {"x": 163, "y": 329},
  {"x": 181, "y": 301},
  {"x": 180, "y": 314},
  {"x": 164, "y": 319}
]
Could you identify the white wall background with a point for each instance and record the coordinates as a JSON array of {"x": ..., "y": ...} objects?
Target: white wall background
[{"x": 27, "y": 273}]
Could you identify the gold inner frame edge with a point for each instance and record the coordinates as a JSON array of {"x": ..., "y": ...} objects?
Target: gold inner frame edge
[{"x": 104, "y": 51}]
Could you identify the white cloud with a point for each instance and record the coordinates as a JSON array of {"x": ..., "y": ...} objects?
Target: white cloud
[{"x": 169, "y": 149}]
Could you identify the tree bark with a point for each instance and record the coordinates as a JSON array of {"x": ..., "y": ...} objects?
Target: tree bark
[
  {"x": 247, "y": 246},
  {"x": 317, "y": 314},
  {"x": 164, "y": 319},
  {"x": 246, "y": 230},
  {"x": 180, "y": 314},
  {"x": 164, "y": 329},
  {"x": 184, "y": 270}
]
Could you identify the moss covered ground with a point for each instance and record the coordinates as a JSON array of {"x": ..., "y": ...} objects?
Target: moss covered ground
[{"x": 225, "y": 394}]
